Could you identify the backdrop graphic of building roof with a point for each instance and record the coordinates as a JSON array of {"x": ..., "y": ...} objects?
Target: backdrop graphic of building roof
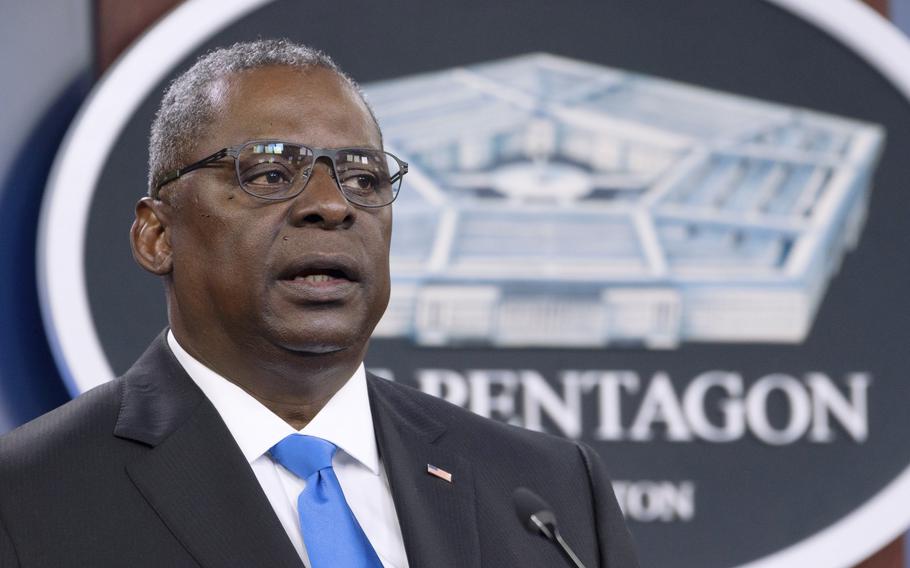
[{"x": 556, "y": 202}]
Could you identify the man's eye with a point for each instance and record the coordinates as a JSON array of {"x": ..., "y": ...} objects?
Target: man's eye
[
  {"x": 361, "y": 183},
  {"x": 267, "y": 177}
]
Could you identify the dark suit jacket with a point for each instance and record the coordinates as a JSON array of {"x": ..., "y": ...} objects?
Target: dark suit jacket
[{"x": 142, "y": 471}]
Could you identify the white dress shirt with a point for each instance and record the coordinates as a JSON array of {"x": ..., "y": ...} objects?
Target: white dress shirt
[{"x": 345, "y": 420}]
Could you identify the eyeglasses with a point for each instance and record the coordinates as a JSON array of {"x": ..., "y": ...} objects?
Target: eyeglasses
[{"x": 275, "y": 170}]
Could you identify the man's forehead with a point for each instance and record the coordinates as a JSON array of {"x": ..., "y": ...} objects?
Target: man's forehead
[
  {"x": 281, "y": 100},
  {"x": 309, "y": 86}
]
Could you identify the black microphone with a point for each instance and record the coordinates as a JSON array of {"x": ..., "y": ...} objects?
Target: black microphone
[{"x": 536, "y": 516}]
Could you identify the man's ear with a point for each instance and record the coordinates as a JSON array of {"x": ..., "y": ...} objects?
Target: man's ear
[{"x": 150, "y": 237}]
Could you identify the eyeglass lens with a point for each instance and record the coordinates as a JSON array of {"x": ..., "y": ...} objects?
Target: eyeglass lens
[{"x": 278, "y": 170}]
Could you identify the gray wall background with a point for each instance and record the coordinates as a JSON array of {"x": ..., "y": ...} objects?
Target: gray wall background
[{"x": 36, "y": 70}]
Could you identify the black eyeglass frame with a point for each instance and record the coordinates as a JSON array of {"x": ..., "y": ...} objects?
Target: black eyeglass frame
[{"x": 234, "y": 152}]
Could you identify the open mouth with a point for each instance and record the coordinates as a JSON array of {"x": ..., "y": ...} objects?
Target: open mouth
[{"x": 320, "y": 277}]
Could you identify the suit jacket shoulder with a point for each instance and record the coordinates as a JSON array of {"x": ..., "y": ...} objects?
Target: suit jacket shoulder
[
  {"x": 61, "y": 431},
  {"x": 35, "y": 458},
  {"x": 140, "y": 471},
  {"x": 480, "y": 436},
  {"x": 494, "y": 459}
]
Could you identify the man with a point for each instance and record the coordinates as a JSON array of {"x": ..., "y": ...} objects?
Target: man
[{"x": 269, "y": 221}]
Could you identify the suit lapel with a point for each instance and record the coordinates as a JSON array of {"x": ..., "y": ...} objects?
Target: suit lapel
[
  {"x": 194, "y": 476},
  {"x": 438, "y": 520}
]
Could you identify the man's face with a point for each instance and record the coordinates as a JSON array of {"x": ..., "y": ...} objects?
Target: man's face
[{"x": 309, "y": 274}]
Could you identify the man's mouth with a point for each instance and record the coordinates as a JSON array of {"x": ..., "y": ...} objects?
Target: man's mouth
[
  {"x": 317, "y": 278},
  {"x": 320, "y": 277}
]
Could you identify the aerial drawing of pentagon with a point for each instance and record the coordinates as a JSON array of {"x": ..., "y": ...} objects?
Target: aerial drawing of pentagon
[{"x": 553, "y": 202}]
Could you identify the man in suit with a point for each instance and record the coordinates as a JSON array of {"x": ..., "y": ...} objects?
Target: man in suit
[{"x": 269, "y": 220}]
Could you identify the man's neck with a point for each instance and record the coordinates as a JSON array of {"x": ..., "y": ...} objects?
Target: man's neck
[{"x": 295, "y": 386}]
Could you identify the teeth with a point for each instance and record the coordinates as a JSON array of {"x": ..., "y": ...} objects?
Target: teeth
[{"x": 317, "y": 278}]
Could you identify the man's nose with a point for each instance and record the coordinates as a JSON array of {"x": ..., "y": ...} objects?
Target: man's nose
[{"x": 321, "y": 202}]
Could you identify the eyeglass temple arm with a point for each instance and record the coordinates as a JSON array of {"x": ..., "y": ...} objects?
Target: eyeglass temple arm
[
  {"x": 195, "y": 166},
  {"x": 400, "y": 173}
]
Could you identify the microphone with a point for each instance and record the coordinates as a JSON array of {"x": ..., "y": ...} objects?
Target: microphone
[{"x": 536, "y": 516}]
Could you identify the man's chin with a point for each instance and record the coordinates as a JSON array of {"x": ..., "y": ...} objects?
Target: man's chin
[
  {"x": 323, "y": 344},
  {"x": 320, "y": 332},
  {"x": 316, "y": 349}
]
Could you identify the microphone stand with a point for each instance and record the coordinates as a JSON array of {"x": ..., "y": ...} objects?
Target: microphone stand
[{"x": 552, "y": 534}]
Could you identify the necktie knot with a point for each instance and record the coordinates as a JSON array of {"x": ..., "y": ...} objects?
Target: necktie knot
[{"x": 303, "y": 455}]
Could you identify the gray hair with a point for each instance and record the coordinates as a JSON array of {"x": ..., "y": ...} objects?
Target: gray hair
[{"x": 187, "y": 106}]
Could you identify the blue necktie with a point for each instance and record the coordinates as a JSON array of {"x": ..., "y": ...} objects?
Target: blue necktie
[{"x": 332, "y": 535}]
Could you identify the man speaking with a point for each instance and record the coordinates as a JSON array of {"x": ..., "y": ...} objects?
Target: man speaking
[{"x": 249, "y": 434}]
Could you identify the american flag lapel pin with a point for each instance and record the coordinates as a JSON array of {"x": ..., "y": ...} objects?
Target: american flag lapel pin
[{"x": 440, "y": 473}]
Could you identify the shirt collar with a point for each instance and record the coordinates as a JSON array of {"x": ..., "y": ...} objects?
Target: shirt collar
[{"x": 345, "y": 420}]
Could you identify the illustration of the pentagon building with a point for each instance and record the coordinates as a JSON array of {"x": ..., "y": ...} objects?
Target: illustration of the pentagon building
[{"x": 552, "y": 202}]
